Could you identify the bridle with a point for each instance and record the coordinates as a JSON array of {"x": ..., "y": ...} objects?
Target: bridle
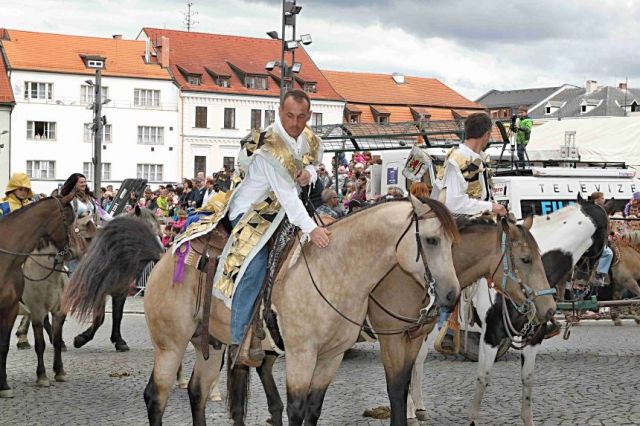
[
  {"x": 528, "y": 307},
  {"x": 426, "y": 316},
  {"x": 59, "y": 256}
]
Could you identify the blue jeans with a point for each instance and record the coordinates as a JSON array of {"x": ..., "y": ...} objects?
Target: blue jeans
[
  {"x": 605, "y": 260},
  {"x": 247, "y": 291}
]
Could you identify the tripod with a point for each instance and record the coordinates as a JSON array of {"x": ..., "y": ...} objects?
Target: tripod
[{"x": 510, "y": 138}]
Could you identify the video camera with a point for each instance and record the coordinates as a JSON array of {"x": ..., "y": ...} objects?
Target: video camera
[{"x": 514, "y": 118}]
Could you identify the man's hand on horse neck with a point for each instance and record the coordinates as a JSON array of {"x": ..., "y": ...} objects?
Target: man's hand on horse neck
[
  {"x": 499, "y": 209},
  {"x": 320, "y": 236},
  {"x": 303, "y": 178}
]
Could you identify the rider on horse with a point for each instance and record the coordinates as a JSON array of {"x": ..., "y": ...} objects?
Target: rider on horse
[
  {"x": 463, "y": 183},
  {"x": 18, "y": 194}
]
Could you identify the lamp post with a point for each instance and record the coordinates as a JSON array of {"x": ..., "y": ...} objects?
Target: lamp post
[{"x": 98, "y": 119}]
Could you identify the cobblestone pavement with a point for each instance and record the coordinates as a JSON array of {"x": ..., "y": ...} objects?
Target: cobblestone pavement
[{"x": 591, "y": 379}]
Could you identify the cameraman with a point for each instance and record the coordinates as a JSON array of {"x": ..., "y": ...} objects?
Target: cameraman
[{"x": 522, "y": 128}]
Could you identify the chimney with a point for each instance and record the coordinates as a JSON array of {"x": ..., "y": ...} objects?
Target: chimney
[
  {"x": 163, "y": 52},
  {"x": 591, "y": 86},
  {"x": 398, "y": 77},
  {"x": 117, "y": 36},
  {"x": 622, "y": 86}
]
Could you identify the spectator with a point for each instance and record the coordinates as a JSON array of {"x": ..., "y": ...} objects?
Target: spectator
[
  {"x": 420, "y": 190},
  {"x": 329, "y": 205},
  {"x": 197, "y": 194},
  {"x": 394, "y": 192},
  {"x": 209, "y": 190},
  {"x": 162, "y": 203},
  {"x": 633, "y": 206},
  {"x": 361, "y": 189},
  {"x": 355, "y": 205},
  {"x": 17, "y": 194},
  {"x": 324, "y": 177},
  {"x": 187, "y": 186},
  {"x": 167, "y": 236}
]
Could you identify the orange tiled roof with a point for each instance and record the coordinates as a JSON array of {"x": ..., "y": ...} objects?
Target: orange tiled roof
[
  {"x": 6, "y": 94},
  {"x": 231, "y": 56},
  {"x": 28, "y": 50},
  {"x": 381, "y": 89}
]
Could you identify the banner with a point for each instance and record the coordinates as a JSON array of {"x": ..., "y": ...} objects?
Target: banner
[{"x": 417, "y": 164}]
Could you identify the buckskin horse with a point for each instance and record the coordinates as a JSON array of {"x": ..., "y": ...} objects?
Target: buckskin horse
[
  {"x": 20, "y": 233},
  {"x": 315, "y": 288}
]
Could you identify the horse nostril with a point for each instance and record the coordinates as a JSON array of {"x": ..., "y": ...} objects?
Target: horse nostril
[
  {"x": 451, "y": 296},
  {"x": 550, "y": 313}
]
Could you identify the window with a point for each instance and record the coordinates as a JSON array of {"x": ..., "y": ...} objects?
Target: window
[
  {"x": 269, "y": 117},
  {"x": 288, "y": 85},
  {"x": 146, "y": 97},
  {"x": 635, "y": 107},
  {"x": 223, "y": 81},
  {"x": 194, "y": 80},
  {"x": 92, "y": 63},
  {"x": 547, "y": 110},
  {"x": 228, "y": 163},
  {"x": 583, "y": 108},
  {"x": 88, "y": 171},
  {"x": 255, "y": 82},
  {"x": 354, "y": 118},
  {"x": 382, "y": 119},
  {"x": 201, "y": 117},
  {"x": 150, "y": 172},
  {"x": 37, "y": 169},
  {"x": 149, "y": 135},
  {"x": 88, "y": 133},
  {"x": 37, "y": 130},
  {"x": 309, "y": 87},
  {"x": 256, "y": 119},
  {"x": 87, "y": 93},
  {"x": 316, "y": 119},
  {"x": 199, "y": 164},
  {"x": 229, "y": 118},
  {"x": 34, "y": 90}
]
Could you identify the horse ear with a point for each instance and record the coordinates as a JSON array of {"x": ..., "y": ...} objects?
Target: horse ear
[
  {"x": 528, "y": 222},
  {"x": 580, "y": 199},
  {"x": 420, "y": 208},
  {"x": 137, "y": 211},
  {"x": 505, "y": 225},
  {"x": 610, "y": 205}
]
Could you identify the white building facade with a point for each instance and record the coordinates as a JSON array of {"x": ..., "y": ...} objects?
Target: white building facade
[
  {"x": 52, "y": 137},
  {"x": 213, "y": 125}
]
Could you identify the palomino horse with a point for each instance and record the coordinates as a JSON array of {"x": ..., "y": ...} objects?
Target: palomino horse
[
  {"x": 119, "y": 254},
  {"x": 625, "y": 271},
  {"x": 45, "y": 280},
  {"x": 173, "y": 314},
  {"x": 564, "y": 237},
  {"x": 20, "y": 233}
]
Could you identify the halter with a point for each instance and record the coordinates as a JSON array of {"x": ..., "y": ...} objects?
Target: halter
[{"x": 416, "y": 323}]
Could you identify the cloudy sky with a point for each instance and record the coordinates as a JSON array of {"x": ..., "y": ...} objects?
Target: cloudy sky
[{"x": 471, "y": 45}]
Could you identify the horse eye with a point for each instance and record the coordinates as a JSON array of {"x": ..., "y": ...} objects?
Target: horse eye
[
  {"x": 432, "y": 241},
  {"x": 526, "y": 259}
]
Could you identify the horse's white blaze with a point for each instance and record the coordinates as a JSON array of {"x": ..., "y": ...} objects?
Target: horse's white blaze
[{"x": 564, "y": 230}]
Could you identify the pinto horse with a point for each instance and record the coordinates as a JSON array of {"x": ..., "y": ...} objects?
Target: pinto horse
[{"x": 20, "y": 233}]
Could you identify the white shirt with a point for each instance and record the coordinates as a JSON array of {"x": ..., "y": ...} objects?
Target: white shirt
[
  {"x": 261, "y": 178},
  {"x": 456, "y": 187}
]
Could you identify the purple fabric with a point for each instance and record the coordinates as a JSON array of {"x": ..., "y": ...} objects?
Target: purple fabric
[{"x": 178, "y": 273}]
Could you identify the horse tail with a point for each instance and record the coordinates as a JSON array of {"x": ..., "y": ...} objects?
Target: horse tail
[
  {"x": 116, "y": 257},
  {"x": 238, "y": 385}
]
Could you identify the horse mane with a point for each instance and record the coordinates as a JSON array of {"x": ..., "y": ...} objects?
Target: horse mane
[
  {"x": 632, "y": 237},
  {"x": 440, "y": 210},
  {"x": 465, "y": 223},
  {"x": 23, "y": 210}
]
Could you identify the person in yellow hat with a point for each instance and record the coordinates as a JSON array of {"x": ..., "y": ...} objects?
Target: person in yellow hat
[{"x": 17, "y": 195}]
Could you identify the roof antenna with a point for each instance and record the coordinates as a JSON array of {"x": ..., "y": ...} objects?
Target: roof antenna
[{"x": 189, "y": 17}]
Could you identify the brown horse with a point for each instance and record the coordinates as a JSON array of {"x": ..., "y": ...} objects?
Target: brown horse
[
  {"x": 625, "y": 272},
  {"x": 20, "y": 233}
]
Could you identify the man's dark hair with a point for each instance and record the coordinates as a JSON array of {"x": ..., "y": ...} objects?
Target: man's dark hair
[
  {"x": 476, "y": 125},
  {"x": 298, "y": 96}
]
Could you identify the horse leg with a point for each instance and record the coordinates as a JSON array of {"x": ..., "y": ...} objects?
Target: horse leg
[
  {"x": 528, "y": 360},
  {"x": 86, "y": 336},
  {"x": 203, "y": 375},
  {"x": 181, "y": 381},
  {"x": 299, "y": 372},
  {"x": 58, "y": 368},
  {"x": 7, "y": 319},
  {"x": 486, "y": 358},
  {"x": 156, "y": 393},
  {"x": 322, "y": 376},
  {"x": 237, "y": 391},
  {"x": 22, "y": 332},
  {"x": 117, "y": 303},
  {"x": 38, "y": 335},
  {"x": 415, "y": 400},
  {"x": 265, "y": 371}
]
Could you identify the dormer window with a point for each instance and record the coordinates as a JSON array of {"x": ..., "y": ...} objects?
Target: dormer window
[
  {"x": 382, "y": 118},
  {"x": 635, "y": 107},
  {"x": 583, "y": 108},
  {"x": 380, "y": 114},
  {"x": 93, "y": 61},
  {"x": 255, "y": 82},
  {"x": 553, "y": 107},
  {"x": 223, "y": 81},
  {"x": 194, "y": 80},
  {"x": 310, "y": 87},
  {"x": 589, "y": 105},
  {"x": 353, "y": 118}
]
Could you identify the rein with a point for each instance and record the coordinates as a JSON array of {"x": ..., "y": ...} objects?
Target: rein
[{"x": 429, "y": 290}]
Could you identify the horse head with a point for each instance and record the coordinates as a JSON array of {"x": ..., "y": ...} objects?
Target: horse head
[
  {"x": 84, "y": 231},
  {"x": 425, "y": 251},
  {"x": 148, "y": 217},
  {"x": 522, "y": 276},
  {"x": 58, "y": 224}
]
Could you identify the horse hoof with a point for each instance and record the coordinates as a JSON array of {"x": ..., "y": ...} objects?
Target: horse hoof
[
  {"x": 79, "y": 341},
  {"x": 23, "y": 345},
  {"x": 421, "y": 415},
  {"x": 6, "y": 393},
  {"x": 183, "y": 384},
  {"x": 617, "y": 323},
  {"x": 122, "y": 347},
  {"x": 61, "y": 377},
  {"x": 218, "y": 397},
  {"x": 43, "y": 383}
]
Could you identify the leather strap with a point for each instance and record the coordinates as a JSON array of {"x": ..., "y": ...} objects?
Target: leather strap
[{"x": 212, "y": 263}]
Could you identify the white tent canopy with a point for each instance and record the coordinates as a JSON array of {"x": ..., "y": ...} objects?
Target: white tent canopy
[{"x": 597, "y": 139}]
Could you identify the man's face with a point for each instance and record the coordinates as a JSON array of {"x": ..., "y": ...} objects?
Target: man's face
[
  {"x": 110, "y": 188},
  {"x": 163, "y": 192},
  {"x": 522, "y": 114},
  {"x": 485, "y": 139},
  {"x": 600, "y": 201},
  {"x": 294, "y": 116}
]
